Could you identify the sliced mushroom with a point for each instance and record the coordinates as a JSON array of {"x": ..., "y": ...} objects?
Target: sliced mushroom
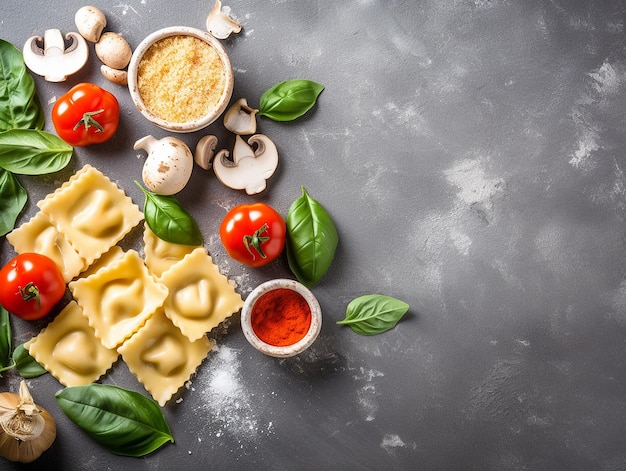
[
  {"x": 90, "y": 22},
  {"x": 204, "y": 151},
  {"x": 113, "y": 50},
  {"x": 253, "y": 163},
  {"x": 220, "y": 24},
  {"x": 241, "y": 118},
  {"x": 49, "y": 57}
]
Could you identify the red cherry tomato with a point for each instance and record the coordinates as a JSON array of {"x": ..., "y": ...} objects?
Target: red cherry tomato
[
  {"x": 86, "y": 114},
  {"x": 253, "y": 234},
  {"x": 30, "y": 286}
]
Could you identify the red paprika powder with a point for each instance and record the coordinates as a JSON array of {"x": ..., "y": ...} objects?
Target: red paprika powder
[{"x": 281, "y": 317}]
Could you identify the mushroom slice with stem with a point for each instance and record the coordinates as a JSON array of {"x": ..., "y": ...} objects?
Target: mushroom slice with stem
[
  {"x": 49, "y": 57},
  {"x": 205, "y": 150},
  {"x": 220, "y": 24},
  {"x": 241, "y": 118},
  {"x": 253, "y": 163}
]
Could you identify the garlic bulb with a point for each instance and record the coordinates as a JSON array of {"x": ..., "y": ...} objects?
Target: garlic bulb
[{"x": 26, "y": 430}]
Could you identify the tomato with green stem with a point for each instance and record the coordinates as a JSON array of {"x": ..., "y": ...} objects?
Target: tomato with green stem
[
  {"x": 31, "y": 284},
  {"x": 86, "y": 114},
  {"x": 253, "y": 234}
]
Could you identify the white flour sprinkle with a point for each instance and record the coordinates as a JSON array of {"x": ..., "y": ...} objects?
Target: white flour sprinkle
[
  {"x": 366, "y": 395},
  {"x": 474, "y": 186},
  {"x": 229, "y": 405},
  {"x": 392, "y": 441}
]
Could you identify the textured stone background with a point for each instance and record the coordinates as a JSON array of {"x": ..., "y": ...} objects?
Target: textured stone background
[{"x": 471, "y": 153}]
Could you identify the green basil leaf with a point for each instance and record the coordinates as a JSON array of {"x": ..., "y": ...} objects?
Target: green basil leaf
[
  {"x": 20, "y": 107},
  {"x": 311, "y": 239},
  {"x": 13, "y": 198},
  {"x": 289, "y": 100},
  {"x": 169, "y": 220},
  {"x": 122, "y": 421},
  {"x": 5, "y": 341},
  {"x": 25, "y": 364},
  {"x": 33, "y": 152},
  {"x": 373, "y": 314}
]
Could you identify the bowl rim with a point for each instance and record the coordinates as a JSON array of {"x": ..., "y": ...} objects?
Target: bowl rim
[
  {"x": 133, "y": 88},
  {"x": 287, "y": 350}
]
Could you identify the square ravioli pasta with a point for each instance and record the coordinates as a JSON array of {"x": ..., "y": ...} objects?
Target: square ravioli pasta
[
  {"x": 200, "y": 297},
  {"x": 162, "y": 358},
  {"x": 39, "y": 235},
  {"x": 92, "y": 212},
  {"x": 161, "y": 255},
  {"x": 119, "y": 298},
  {"x": 69, "y": 350}
]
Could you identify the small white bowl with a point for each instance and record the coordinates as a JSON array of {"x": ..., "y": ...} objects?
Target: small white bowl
[
  {"x": 196, "y": 124},
  {"x": 288, "y": 350}
]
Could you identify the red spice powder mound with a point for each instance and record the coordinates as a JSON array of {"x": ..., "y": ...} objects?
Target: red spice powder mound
[{"x": 281, "y": 317}]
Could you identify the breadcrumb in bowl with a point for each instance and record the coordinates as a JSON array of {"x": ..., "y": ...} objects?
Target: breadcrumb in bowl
[{"x": 180, "y": 78}]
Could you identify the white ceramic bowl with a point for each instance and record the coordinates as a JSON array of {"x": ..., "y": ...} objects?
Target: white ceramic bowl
[
  {"x": 196, "y": 124},
  {"x": 288, "y": 350}
]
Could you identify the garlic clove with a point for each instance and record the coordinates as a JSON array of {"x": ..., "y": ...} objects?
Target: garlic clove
[
  {"x": 240, "y": 118},
  {"x": 220, "y": 24}
]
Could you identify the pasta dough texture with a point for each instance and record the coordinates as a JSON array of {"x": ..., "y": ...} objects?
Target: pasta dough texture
[
  {"x": 161, "y": 255},
  {"x": 118, "y": 299},
  {"x": 39, "y": 235},
  {"x": 162, "y": 358},
  {"x": 69, "y": 350},
  {"x": 92, "y": 212},
  {"x": 155, "y": 311},
  {"x": 200, "y": 297}
]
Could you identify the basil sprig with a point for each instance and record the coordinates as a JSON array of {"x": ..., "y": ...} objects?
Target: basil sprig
[
  {"x": 169, "y": 221},
  {"x": 20, "y": 359},
  {"x": 6, "y": 362},
  {"x": 311, "y": 239},
  {"x": 373, "y": 314},
  {"x": 13, "y": 198},
  {"x": 20, "y": 107},
  {"x": 33, "y": 152},
  {"x": 289, "y": 100},
  {"x": 25, "y": 364},
  {"x": 24, "y": 148},
  {"x": 122, "y": 421}
]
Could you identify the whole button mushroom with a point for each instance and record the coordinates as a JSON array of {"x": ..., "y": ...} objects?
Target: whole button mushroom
[
  {"x": 90, "y": 22},
  {"x": 113, "y": 50},
  {"x": 168, "y": 166}
]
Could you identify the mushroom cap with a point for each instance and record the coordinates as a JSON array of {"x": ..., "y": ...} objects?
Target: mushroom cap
[
  {"x": 113, "y": 50},
  {"x": 90, "y": 22}
]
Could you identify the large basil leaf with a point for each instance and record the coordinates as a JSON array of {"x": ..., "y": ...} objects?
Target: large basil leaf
[
  {"x": 13, "y": 198},
  {"x": 25, "y": 364},
  {"x": 5, "y": 341},
  {"x": 20, "y": 107},
  {"x": 289, "y": 100},
  {"x": 33, "y": 152},
  {"x": 311, "y": 239},
  {"x": 374, "y": 313},
  {"x": 169, "y": 221},
  {"x": 122, "y": 421}
]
